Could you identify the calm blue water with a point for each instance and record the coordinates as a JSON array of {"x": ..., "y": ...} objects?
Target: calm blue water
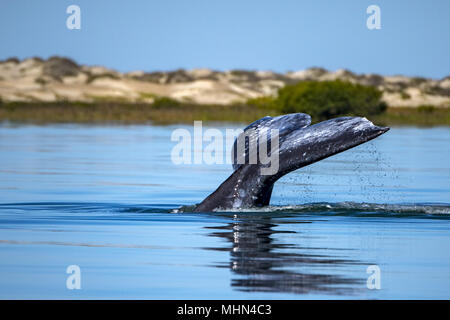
[{"x": 103, "y": 198}]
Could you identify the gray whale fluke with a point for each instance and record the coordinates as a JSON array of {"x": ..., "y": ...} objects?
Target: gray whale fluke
[{"x": 300, "y": 144}]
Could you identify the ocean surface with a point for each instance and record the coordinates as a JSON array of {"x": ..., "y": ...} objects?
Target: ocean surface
[{"x": 107, "y": 199}]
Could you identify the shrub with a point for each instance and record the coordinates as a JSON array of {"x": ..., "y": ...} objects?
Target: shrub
[
  {"x": 93, "y": 77},
  {"x": 328, "y": 99},
  {"x": 58, "y": 67},
  {"x": 405, "y": 95},
  {"x": 266, "y": 102},
  {"x": 165, "y": 102},
  {"x": 425, "y": 108}
]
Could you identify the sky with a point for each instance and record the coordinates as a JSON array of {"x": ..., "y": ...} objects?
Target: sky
[{"x": 281, "y": 35}]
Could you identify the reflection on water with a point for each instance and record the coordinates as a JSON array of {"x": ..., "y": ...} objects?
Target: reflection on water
[
  {"x": 262, "y": 264},
  {"x": 100, "y": 196}
]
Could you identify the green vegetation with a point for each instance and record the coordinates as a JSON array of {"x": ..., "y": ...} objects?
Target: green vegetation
[
  {"x": 266, "y": 103},
  {"x": 126, "y": 113},
  {"x": 405, "y": 95},
  {"x": 325, "y": 100},
  {"x": 165, "y": 103},
  {"x": 116, "y": 112},
  {"x": 426, "y": 109},
  {"x": 422, "y": 116},
  {"x": 322, "y": 100},
  {"x": 93, "y": 77},
  {"x": 144, "y": 96}
]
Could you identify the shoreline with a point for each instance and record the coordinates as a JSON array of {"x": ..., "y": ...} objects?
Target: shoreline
[{"x": 138, "y": 113}]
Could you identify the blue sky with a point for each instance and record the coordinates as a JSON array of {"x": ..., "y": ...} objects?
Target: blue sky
[{"x": 273, "y": 35}]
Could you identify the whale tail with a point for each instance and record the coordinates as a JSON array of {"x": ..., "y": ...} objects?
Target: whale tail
[{"x": 298, "y": 144}]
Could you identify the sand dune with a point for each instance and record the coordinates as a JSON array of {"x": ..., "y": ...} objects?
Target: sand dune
[{"x": 61, "y": 79}]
